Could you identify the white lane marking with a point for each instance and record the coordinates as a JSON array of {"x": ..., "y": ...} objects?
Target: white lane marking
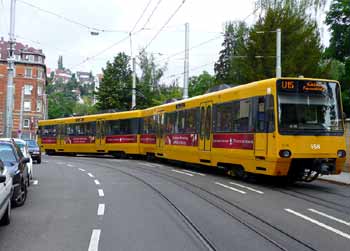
[
  {"x": 196, "y": 173},
  {"x": 330, "y": 217},
  {"x": 345, "y": 235},
  {"x": 61, "y": 163},
  {"x": 101, "y": 193},
  {"x": 91, "y": 175},
  {"x": 182, "y": 172},
  {"x": 249, "y": 188},
  {"x": 231, "y": 188},
  {"x": 157, "y": 165},
  {"x": 95, "y": 238},
  {"x": 45, "y": 161},
  {"x": 81, "y": 169},
  {"x": 70, "y": 165},
  {"x": 97, "y": 182},
  {"x": 101, "y": 209},
  {"x": 146, "y": 164},
  {"x": 35, "y": 182}
]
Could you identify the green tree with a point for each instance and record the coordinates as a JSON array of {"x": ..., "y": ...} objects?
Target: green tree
[
  {"x": 338, "y": 18},
  {"x": 114, "y": 91},
  {"x": 60, "y": 106},
  {"x": 231, "y": 67},
  {"x": 222, "y": 67},
  {"x": 148, "y": 91},
  {"x": 301, "y": 47},
  {"x": 198, "y": 85}
]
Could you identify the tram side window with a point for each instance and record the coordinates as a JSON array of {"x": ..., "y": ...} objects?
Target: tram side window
[
  {"x": 124, "y": 126},
  {"x": 170, "y": 122},
  {"x": 180, "y": 122},
  {"x": 224, "y": 117},
  {"x": 49, "y": 131},
  {"x": 265, "y": 114},
  {"x": 192, "y": 121},
  {"x": 81, "y": 129},
  {"x": 148, "y": 125}
]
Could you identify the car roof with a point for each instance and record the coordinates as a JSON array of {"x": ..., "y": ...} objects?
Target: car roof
[{"x": 15, "y": 140}]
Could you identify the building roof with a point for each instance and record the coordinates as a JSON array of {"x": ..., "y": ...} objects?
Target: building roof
[{"x": 19, "y": 49}]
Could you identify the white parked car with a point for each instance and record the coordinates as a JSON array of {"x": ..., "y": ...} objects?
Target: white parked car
[{"x": 5, "y": 194}]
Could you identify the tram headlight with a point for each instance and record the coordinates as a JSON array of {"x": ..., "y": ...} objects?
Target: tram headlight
[
  {"x": 285, "y": 153},
  {"x": 341, "y": 154}
]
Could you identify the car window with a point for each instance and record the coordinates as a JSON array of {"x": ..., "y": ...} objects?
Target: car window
[
  {"x": 32, "y": 143},
  {"x": 7, "y": 154}
]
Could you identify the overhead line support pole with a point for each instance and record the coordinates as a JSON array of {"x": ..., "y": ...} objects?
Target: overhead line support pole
[
  {"x": 133, "y": 102},
  {"x": 186, "y": 64},
  {"x": 278, "y": 54},
  {"x": 10, "y": 74}
]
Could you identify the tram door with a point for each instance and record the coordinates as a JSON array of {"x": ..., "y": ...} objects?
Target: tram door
[
  {"x": 100, "y": 134},
  {"x": 205, "y": 132},
  {"x": 160, "y": 131},
  {"x": 61, "y": 132},
  {"x": 262, "y": 127}
]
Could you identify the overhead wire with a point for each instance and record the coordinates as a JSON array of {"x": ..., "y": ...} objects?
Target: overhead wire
[
  {"x": 191, "y": 48},
  {"x": 69, "y": 19},
  {"x": 151, "y": 15},
  {"x": 102, "y": 51},
  {"x": 118, "y": 42},
  {"x": 141, "y": 16},
  {"x": 165, "y": 24},
  {"x": 199, "y": 45},
  {"x": 192, "y": 69}
]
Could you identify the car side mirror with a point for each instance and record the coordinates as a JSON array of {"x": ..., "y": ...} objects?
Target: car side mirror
[
  {"x": 2, "y": 178},
  {"x": 25, "y": 160}
]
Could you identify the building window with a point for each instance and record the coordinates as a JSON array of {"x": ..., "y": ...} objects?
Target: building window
[
  {"x": 27, "y": 106},
  {"x": 40, "y": 73},
  {"x": 28, "y": 89},
  {"x": 40, "y": 90},
  {"x": 31, "y": 58},
  {"x": 26, "y": 123},
  {"x": 28, "y": 72},
  {"x": 40, "y": 59},
  {"x": 38, "y": 106}
]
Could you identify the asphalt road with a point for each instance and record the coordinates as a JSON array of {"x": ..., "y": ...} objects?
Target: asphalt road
[{"x": 85, "y": 203}]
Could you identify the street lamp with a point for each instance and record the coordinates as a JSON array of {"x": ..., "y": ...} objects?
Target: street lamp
[{"x": 278, "y": 51}]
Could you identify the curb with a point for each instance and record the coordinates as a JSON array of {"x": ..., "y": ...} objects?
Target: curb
[{"x": 334, "y": 181}]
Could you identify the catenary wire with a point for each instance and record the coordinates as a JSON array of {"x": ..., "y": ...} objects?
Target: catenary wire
[
  {"x": 69, "y": 19},
  {"x": 141, "y": 16},
  {"x": 165, "y": 24}
]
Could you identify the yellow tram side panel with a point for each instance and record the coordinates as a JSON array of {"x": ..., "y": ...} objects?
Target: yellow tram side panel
[
  {"x": 128, "y": 148},
  {"x": 147, "y": 148},
  {"x": 100, "y": 144},
  {"x": 245, "y": 158}
]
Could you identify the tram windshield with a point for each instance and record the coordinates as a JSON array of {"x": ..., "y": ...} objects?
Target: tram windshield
[{"x": 309, "y": 107}]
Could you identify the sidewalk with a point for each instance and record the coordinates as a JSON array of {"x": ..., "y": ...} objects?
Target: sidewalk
[{"x": 342, "y": 178}]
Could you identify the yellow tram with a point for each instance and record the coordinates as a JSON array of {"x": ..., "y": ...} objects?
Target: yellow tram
[{"x": 278, "y": 127}]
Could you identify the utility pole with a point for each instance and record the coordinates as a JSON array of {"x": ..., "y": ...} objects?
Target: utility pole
[
  {"x": 278, "y": 54},
  {"x": 133, "y": 90},
  {"x": 186, "y": 64},
  {"x": 20, "y": 125},
  {"x": 10, "y": 73},
  {"x": 133, "y": 102}
]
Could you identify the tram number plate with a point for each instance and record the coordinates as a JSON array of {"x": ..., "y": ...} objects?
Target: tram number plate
[{"x": 315, "y": 146}]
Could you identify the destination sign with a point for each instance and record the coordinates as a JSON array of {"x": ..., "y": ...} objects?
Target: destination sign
[{"x": 301, "y": 86}]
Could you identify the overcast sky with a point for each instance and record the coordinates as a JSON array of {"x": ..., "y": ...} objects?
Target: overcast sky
[{"x": 57, "y": 37}]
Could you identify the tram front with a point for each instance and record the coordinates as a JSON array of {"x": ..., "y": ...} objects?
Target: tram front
[{"x": 310, "y": 127}]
